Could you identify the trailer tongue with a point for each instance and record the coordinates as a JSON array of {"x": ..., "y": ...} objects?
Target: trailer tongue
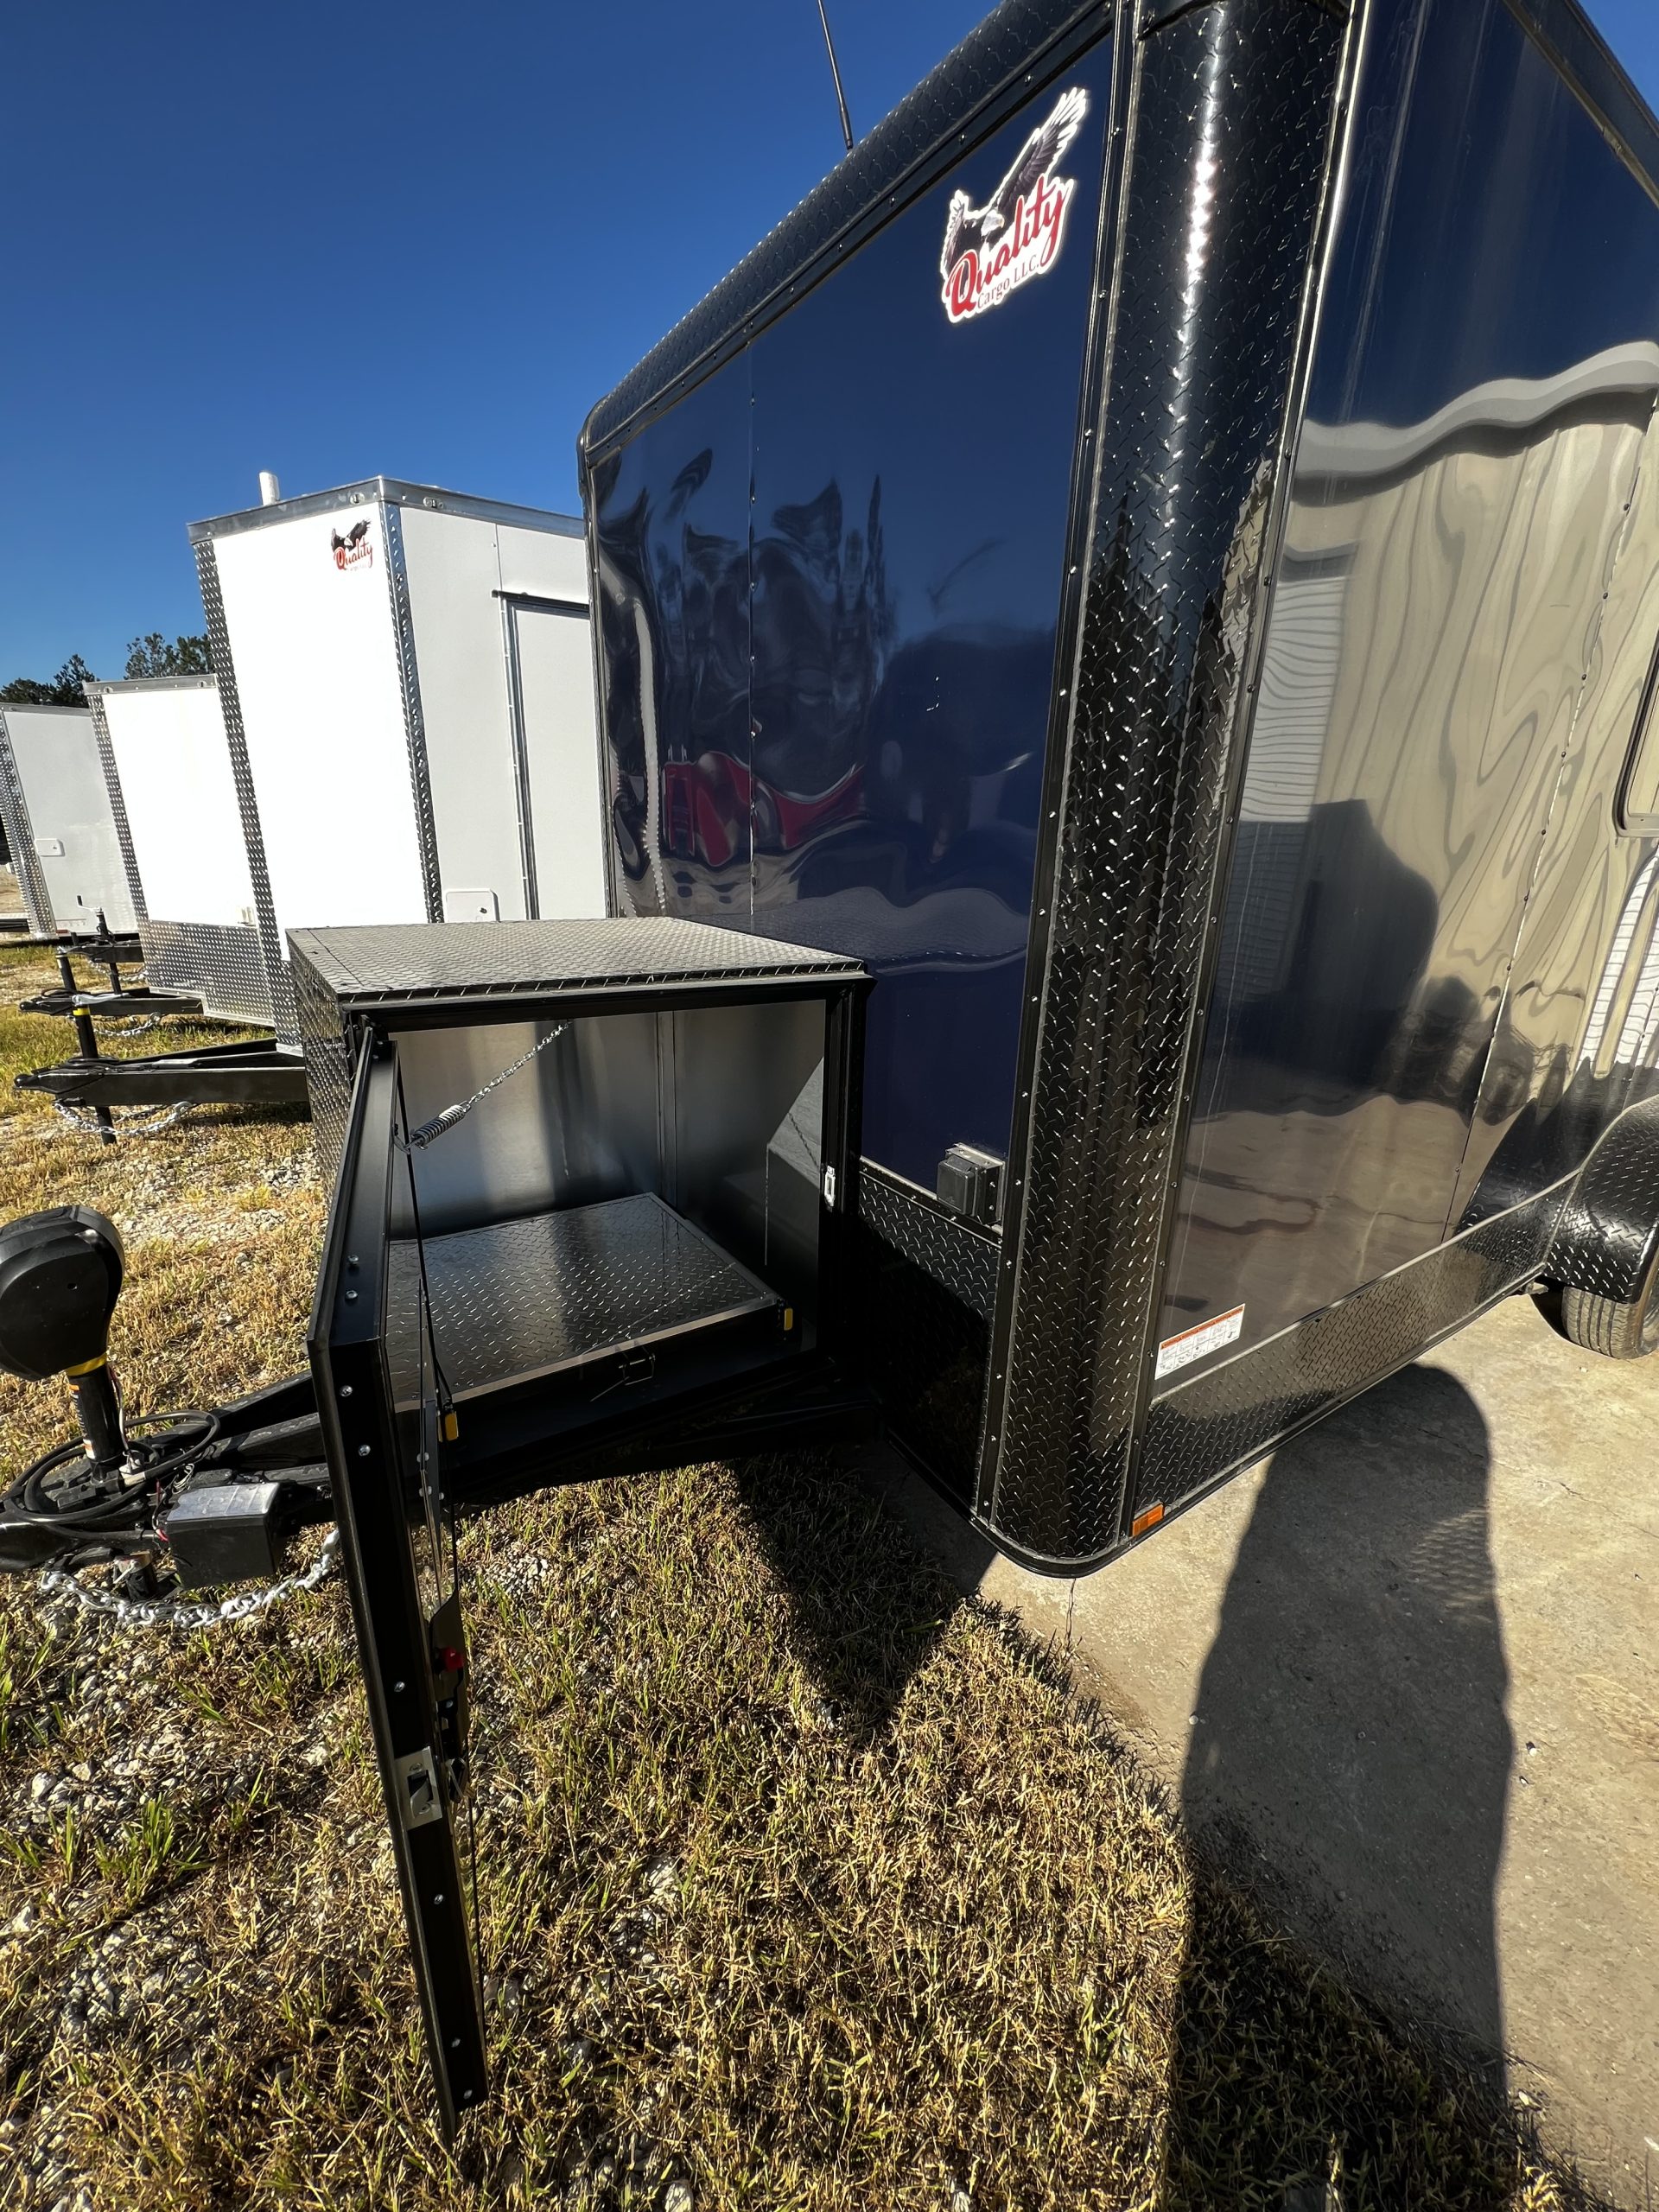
[{"x": 146, "y": 1490}]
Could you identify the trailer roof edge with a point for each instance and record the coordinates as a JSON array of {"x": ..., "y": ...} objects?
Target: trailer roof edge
[
  {"x": 970, "y": 78},
  {"x": 396, "y": 491},
  {"x": 104, "y": 684},
  {"x": 1599, "y": 77},
  {"x": 966, "y": 80}
]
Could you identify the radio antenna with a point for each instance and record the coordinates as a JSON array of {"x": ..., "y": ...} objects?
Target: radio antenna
[{"x": 835, "y": 71}]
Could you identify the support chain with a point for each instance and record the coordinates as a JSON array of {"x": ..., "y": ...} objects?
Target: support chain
[
  {"x": 164, "y": 1120},
  {"x": 442, "y": 1123},
  {"x": 178, "y": 1612}
]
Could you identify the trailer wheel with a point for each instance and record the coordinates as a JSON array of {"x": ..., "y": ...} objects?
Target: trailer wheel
[{"x": 1618, "y": 1332}]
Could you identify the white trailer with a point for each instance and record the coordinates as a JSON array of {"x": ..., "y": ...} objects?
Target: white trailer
[
  {"x": 61, "y": 824},
  {"x": 406, "y": 679},
  {"x": 163, "y": 742}
]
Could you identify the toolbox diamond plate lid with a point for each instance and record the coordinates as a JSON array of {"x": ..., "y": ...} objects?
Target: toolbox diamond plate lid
[{"x": 410, "y": 963}]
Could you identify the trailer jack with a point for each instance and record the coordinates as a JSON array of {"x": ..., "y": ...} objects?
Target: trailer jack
[{"x": 185, "y": 1499}]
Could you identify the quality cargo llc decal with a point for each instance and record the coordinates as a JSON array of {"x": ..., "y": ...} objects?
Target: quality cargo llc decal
[
  {"x": 355, "y": 550},
  {"x": 991, "y": 251}
]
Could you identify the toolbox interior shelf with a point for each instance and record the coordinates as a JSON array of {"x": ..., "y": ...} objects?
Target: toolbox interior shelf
[{"x": 551, "y": 1291}]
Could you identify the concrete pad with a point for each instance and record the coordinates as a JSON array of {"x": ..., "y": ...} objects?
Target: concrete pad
[{"x": 1405, "y": 1674}]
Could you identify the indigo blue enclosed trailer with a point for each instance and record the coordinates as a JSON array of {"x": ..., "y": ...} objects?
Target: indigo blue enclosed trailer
[
  {"x": 1126, "y": 639},
  {"x": 1159, "y": 558}
]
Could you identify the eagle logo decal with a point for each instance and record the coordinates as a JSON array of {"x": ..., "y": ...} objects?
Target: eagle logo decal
[
  {"x": 353, "y": 548},
  {"x": 990, "y": 251}
]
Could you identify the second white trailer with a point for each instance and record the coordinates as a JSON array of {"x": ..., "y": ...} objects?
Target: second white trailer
[
  {"x": 162, "y": 740},
  {"x": 406, "y": 680},
  {"x": 62, "y": 822}
]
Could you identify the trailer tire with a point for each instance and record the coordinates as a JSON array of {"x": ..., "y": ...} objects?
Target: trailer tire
[{"x": 1615, "y": 1330}]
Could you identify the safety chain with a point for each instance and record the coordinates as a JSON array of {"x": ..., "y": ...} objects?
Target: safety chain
[
  {"x": 152, "y": 1128},
  {"x": 175, "y": 1613},
  {"x": 442, "y": 1123},
  {"x": 136, "y": 1028}
]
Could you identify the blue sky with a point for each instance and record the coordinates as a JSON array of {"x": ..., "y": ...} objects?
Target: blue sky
[{"x": 406, "y": 239}]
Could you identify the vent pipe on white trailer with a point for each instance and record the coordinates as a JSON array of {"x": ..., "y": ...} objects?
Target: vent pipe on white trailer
[{"x": 271, "y": 492}]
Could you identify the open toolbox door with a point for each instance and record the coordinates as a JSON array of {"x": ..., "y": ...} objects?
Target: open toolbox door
[{"x": 397, "y": 1540}]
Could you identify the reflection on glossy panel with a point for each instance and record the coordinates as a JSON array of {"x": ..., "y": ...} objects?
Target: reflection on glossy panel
[
  {"x": 828, "y": 696},
  {"x": 1579, "y": 1037},
  {"x": 672, "y": 529},
  {"x": 1424, "y": 740}
]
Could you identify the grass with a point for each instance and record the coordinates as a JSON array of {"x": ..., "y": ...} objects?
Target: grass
[
  {"x": 221, "y": 1216},
  {"x": 802, "y": 1882}
]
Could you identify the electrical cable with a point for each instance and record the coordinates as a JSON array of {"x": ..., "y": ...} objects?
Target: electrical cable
[{"x": 154, "y": 1464}]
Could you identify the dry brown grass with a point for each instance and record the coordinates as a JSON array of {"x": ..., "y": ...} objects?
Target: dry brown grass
[
  {"x": 803, "y": 1884},
  {"x": 221, "y": 1216}
]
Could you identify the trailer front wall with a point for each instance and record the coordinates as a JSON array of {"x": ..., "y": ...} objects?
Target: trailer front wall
[
  {"x": 200, "y": 928},
  {"x": 317, "y": 677},
  {"x": 20, "y": 838},
  {"x": 670, "y": 551},
  {"x": 1483, "y": 392},
  {"x": 168, "y": 744},
  {"x": 829, "y": 582},
  {"x": 73, "y": 845}
]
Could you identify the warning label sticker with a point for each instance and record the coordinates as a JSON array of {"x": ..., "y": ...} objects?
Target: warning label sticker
[{"x": 1200, "y": 1341}]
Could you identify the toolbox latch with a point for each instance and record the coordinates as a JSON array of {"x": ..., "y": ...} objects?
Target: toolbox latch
[{"x": 419, "y": 1799}]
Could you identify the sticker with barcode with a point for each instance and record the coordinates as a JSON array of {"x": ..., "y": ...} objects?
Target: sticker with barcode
[{"x": 1198, "y": 1343}]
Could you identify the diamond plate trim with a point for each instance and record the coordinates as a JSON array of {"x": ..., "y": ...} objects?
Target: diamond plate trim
[
  {"x": 223, "y": 966},
  {"x": 925, "y": 1292},
  {"x": 925, "y": 127},
  {"x": 529, "y": 1298},
  {"x": 1609, "y": 1227},
  {"x": 420, "y": 781},
  {"x": 1231, "y": 143},
  {"x": 20, "y": 837},
  {"x": 329, "y": 1063},
  {"x": 283, "y": 1017},
  {"x": 954, "y": 1257},
  {"x": 1202, "y": 1431},
  {"x": 1159, "y": 15},
  {"x": 118, "y": 804}
]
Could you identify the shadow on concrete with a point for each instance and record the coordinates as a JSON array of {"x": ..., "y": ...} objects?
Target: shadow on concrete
[{"x": 1349, "y": 1761}]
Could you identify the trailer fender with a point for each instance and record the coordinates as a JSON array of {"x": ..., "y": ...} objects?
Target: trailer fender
[{"x": 1607, "y": 1240}]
